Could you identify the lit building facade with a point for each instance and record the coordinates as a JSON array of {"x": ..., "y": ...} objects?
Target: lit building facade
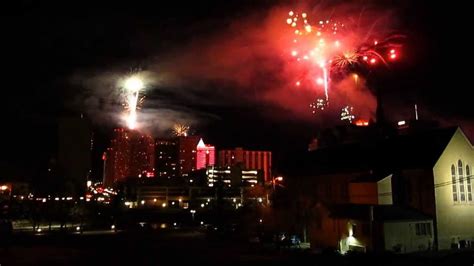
[
  {"x": 187, "y": 154},
  {"x": 429, "y": 172},
  {"x": 453, "y": 193},
  {"x": 259, "y": 160},
  {"x": 182, "y": 155},
  {"x": 168, "y": 194},
  {"x": 166, "y": 158},
  {"x": 233, "y": 176},
  {"x": 206, "y": 155},
  {"x": 131, "y": 155}
]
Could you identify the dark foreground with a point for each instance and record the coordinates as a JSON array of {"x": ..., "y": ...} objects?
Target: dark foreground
[{"x": 188, "y": 247}]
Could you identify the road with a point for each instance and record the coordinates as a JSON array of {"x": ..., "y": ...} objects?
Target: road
[{"x": 183, "y": 247}]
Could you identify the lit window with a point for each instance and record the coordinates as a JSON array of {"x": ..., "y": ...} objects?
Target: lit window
[
  {"x": 468, "y": 180},
  {"x": 453, "y": 179},
  {"x": 461, "y": 181}
]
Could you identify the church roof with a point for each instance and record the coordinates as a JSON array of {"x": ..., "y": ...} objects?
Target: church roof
[{"x": 381, "y": 155}]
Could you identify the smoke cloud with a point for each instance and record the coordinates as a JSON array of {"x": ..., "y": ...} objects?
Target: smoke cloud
[
  {"x": 251, "y": 58},
  {"x": 244, "y": 61}
]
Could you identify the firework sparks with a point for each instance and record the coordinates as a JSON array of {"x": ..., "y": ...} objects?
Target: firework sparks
[
  {"x": 346, "y": 114},
  {"x": 345, "y": 59},
  {"x": 132, "y": 87},
  {"x": 314, "y": 45},
  {"x": 180, "y": 130},
  {"x": 320, "y": 104},
  {"x": 328, "y": 47}
]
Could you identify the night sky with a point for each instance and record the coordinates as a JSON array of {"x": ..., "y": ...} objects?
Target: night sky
[{"x": 48, "y": 45}]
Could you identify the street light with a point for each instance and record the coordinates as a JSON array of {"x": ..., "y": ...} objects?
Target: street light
[
  {"x": 274, "y": 179},
  {"x": 274, "y": 182}
]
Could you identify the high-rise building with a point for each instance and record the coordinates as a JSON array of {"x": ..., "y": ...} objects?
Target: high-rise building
[
  {"x": 166, "y": 158},
  {"x": 259, "y": 160},
  {"x": 142, "y": 155},
  {"x": 131, "y": 155},
  {"x": 74, "y": 152},
  {"x": 117, "y": 157},
  {"x": 206, "y": 155},
  {"x": 187, "y": 154}
]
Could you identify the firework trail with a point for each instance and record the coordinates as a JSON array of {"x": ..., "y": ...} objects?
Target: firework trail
[
  {"x": 132, "y": 87},
  {"x": 329, "y": 48}
]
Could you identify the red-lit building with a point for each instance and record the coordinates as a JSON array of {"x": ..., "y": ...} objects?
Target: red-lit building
[
  {"x": 181, "y": 156},
  {"x": 259, "y": 160},
  {"x": 131, "y": 155},
  {"x": 187, "y": 154},
  {"x": 206, "y": 155}
]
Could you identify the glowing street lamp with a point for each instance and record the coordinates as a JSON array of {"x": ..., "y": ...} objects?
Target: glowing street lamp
[
  {"x": 275, "y": 179},
  {"x": 274, "y": 183}
]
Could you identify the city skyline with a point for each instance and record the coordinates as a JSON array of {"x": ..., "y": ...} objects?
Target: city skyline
[
  {"x": 79, "y": 47},
  {"x": 237, "y": 132}
]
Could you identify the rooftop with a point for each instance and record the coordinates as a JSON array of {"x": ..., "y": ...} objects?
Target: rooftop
[{"x": 380, "y": 154}]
